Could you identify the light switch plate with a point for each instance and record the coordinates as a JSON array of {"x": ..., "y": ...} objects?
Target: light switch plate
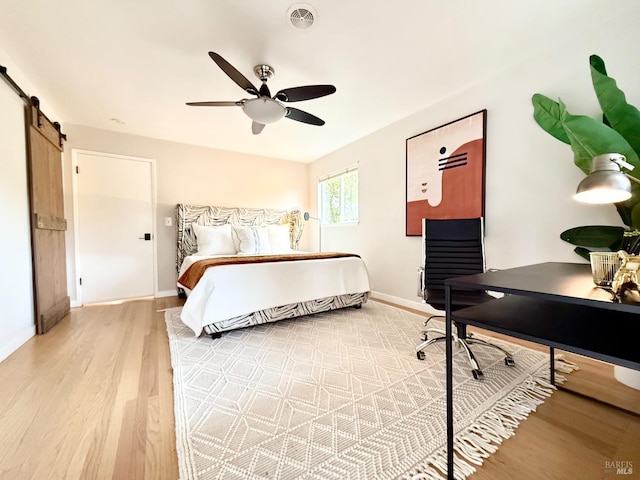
[{"x": 168, "y": 222}]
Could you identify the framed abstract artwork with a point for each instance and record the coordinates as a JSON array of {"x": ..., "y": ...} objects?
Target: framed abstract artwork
[{"x": 445, "y": 172}]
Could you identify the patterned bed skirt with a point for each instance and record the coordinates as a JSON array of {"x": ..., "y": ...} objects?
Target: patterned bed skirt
[{"x": 288, "y": 311}]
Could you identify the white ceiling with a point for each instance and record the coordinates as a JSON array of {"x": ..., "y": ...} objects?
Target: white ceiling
[{"x": 141, "y": 60}]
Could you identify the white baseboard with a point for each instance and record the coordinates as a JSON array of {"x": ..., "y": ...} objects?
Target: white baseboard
[
  {"x": 403, "y": 302},
  {"x": 167, "y": 293},
  {"x": 164, "y": 293},
  {"x": 16, "y": 341}
]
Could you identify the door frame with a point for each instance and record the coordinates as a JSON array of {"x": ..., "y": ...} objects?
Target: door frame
[{"x": 76, "y": 209}]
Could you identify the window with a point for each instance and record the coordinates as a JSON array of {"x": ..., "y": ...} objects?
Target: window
[{"x": 339, "y": 198}]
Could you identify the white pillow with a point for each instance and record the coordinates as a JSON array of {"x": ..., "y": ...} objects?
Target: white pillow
[
  {"x": 279, "y": 238},
  {"x": 251, "y": 240},
  {"x": 214, "y": 240}
]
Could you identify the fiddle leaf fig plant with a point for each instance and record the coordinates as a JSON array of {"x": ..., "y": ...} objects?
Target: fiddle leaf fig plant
[{"x": 617, "y": 132}]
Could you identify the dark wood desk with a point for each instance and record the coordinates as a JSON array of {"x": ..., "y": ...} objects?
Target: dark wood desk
[{"x": 553, "y": 304}]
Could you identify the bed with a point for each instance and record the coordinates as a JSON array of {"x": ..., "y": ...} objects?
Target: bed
[{"x": 240, "y": 267}]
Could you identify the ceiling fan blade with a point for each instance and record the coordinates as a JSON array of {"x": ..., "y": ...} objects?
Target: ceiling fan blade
[
  {"x": 304, "y": 117},
  {"x": 234, "y": 74},
  {"x": 256, "y": 127},
  {"x": 215, "y": 104},
  {"x": 297, "y": 94},
  {"x": 264, "y": 90}
]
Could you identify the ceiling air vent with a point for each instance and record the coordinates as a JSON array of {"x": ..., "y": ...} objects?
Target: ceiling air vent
[{"x": 301, "y": 16}]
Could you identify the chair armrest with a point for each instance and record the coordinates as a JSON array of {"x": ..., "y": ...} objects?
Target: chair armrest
[{"x": 420, "y": 291}]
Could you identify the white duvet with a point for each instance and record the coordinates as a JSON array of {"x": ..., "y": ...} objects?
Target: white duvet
[{"x": 228, "y": 291}]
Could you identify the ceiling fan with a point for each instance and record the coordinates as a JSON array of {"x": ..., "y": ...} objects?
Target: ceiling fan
[{"x": 264, "y": 108}]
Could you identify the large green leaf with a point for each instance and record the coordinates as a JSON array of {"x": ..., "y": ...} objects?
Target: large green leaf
[
  {"x": 635, "y": 217},
  {"x": 625, "y": 213},
  {"x": 623, "y": 118},
  {"x": 584, "y": 252},
  {"x": 546, "y": 113},
  {"x": 626, "y": 208},
  {"x": 598, "y": 64},
  {"x": 594, "y": 236},
  {"x": 590, "y": 138}
]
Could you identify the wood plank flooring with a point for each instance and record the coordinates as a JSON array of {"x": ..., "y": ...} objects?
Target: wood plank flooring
[{"x": 93, "y": 399}]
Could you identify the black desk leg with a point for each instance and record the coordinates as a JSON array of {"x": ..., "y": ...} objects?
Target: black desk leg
[
  {"x": 449, "y": 364},
  {"x": 552, "y": 366}
]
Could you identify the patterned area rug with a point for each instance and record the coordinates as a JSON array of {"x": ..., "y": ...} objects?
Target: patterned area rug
[{"x": 340, "y": 395}]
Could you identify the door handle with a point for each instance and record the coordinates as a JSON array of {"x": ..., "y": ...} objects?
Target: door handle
[{"x": 147, "y": 236}]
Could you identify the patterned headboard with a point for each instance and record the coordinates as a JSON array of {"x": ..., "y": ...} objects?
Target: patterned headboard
[{"x": 207, "y": 215}]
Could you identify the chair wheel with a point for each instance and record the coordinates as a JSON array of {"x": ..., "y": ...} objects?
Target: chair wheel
[
  {"x": 509, "y": 361},
  {"x": 425, "y": 336},
  {"x": 420, "y": 355},
  {"x": 477, "y": 374}
]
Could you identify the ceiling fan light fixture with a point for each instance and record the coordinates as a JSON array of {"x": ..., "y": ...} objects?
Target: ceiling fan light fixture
[
  {"x": 267, "y": 109},
  {"x": 264, "y": 110}
]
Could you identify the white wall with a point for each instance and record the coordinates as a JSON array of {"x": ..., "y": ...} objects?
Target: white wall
[
  {"x": 16, "y": 285},
  {"x": 17, "y": 322},
  {"x": 530, "y": 176},
  {"x": 193, "y": 175}
]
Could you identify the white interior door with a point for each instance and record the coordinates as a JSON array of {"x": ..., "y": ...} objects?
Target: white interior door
[{"x": 115, "y": 227}]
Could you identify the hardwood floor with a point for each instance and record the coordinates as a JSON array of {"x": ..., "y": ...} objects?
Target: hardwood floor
[
  {"x": 571, "y": 436},
  {"x": 93, "y": 399}
]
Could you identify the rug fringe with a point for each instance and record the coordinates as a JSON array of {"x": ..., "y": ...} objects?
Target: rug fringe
[
  {"x": 563, "y": 365},
  {"x": 481, "y": 439}
]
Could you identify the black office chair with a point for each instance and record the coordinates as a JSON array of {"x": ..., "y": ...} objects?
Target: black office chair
[{"x": 453, "y": 248}]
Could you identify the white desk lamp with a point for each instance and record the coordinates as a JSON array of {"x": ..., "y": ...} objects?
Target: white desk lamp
[{"x": 306, "y": 217}]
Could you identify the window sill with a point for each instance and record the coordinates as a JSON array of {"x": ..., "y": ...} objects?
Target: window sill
[{"x": 342, "y": 224}]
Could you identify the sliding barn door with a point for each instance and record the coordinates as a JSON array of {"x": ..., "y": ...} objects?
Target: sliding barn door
[{"x": 48, "y": 224}]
